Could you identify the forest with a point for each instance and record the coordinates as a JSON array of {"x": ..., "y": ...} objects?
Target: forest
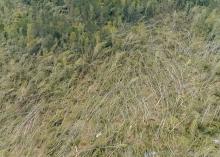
[{"x": 109, "y": 78}]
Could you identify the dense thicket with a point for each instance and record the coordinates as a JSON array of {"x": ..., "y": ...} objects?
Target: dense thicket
[{"x": 38, "y": 26}]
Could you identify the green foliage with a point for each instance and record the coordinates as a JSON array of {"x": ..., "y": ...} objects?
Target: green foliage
[{"x": 71, "y": 24}]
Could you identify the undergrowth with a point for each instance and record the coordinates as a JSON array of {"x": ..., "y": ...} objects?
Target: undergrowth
[{"x": 155, "y": 90}]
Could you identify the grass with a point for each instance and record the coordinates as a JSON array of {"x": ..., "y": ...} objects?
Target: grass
[{"x": 155, "y": 90}]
